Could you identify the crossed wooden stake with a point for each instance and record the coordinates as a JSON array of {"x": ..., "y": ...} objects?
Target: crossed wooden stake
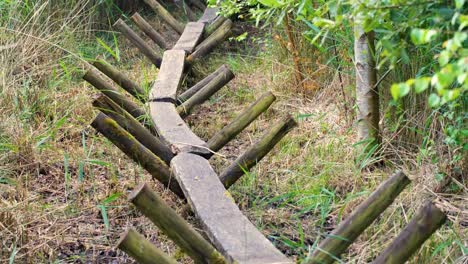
[{"x": 165, "y": 146}]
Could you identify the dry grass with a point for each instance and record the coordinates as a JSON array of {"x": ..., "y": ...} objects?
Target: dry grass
[{"x": 301, "y": 190}]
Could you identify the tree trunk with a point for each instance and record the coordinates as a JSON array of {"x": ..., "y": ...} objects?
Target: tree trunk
[{"x": 367, "y": 95}]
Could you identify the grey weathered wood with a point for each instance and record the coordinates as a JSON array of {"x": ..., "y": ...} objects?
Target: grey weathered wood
[
  {"x": 228, "y": 229},
  {"x": 174, "y": 131},
  {"x": 209, "y": 15},
  {"x": 169, "y": 77},
  {"x": 206, "y": 92},
  {"x": 149, "y": 52},
  {"x": 207, "y": 45},
  {"x": 121, "y": 79},
  {"x": 95, "y": 78},
  {"x": 189, "y": 39},
  {"x": 256, "y": 152},
  {"x": 199, "y": 85},
  {"x": 231, "y": 130},
  {"x": 150, "y": 31}
]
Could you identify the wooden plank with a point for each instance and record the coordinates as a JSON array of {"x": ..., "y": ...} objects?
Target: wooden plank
[
  {"x": 172, "y": 129},
  {"x": 169, "y": 76},
  {"x": 209, "y": 15},
  {"x": 192, "y": 34},
  {"x": 228, "y": 229}
]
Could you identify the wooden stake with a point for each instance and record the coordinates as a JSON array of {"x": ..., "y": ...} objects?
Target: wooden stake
[
  {"x": 138, "y": 42},
  {"x": 194, "y": 89},
  {"x": 165, "y": 15},
  {"x": 212, "y": 41},
  {"x": 93, "y": 77},
  {"x": 136, "y": 151},
  {"x": 256, "y": 152},
  {"x": 150, "y": 31},
  {"x": 362, "y": 217},
  {"x": 422, "y": 226},
  {"x": 121, "y": 79},
  {"x": 174, "y": 226},
  {"x": 209, "y": 29},
  {"x": 126, "y": 121},
  {"x": 241, "y": 122},
  {"x": 142, "y": 250},
  {"x": 206, "y": 92}
]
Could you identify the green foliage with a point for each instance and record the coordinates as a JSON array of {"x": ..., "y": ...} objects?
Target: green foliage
[{"x": 429, "y": 37}]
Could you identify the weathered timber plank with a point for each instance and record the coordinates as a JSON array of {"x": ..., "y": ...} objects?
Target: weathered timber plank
[
  {"x": 172, "y": 129},
  {"x": 169, "y": 77},
  {"x": 207, "y": 45},
  {"x": 228, "y": 229},
  {"x": 209, "y": 15},
  {"x": 189, "y": 39}
]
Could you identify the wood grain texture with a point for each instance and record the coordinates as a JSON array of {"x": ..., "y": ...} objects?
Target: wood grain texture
[
  {"x": 209, "y": 15},
  {"x": 228, "y": 229},
  {"x": 169, "y": 77},
  {"x": 189, "y": 39},
  {"x": 172, "y": 129}
]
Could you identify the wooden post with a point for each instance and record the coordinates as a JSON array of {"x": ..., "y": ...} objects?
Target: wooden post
[
  {"x": 212, "y": 41},
  {"x": 241, "y": 122},
  {"x": 206, "y": 92},
  {"x": 142, "y": 250},
  {"x": 209, "y": 29},
  {"x": 121, "y": 79},
  {"x": 174, "y": 226},
  {"x": 126, "y": 121},
  {"x": 256, "y": 152},
  {"x": 150, "y": 31},
  {"x": 165, "y": 15},
  {"x": 361, "y": 218},
  {"x": 194, "y": 89},
  {"x": 422, "y": 226},
  {"x": 136, "y": 151},
  {"x": 93, "y": 77},
  {"x": 138, "y": 42}
]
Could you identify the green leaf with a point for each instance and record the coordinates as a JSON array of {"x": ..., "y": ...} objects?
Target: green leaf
[
  {"x": 270, "y": 3},
  {"x": 444, "y": 58},
  {"x": 111, "y": 198},
  {"x": 423, "y": 36},
  {"x": 399, "y": 90},
  {"x": 434, "y": 100},
  {"x": 105, "y": 218},
  {"x": 459, "y": 4},
  {"x": 443, "y": 79},
  {"x": 421, "y": 84}
]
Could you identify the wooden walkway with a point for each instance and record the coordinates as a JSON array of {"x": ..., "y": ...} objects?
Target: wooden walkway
[{"x": 175, "y": 156}]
